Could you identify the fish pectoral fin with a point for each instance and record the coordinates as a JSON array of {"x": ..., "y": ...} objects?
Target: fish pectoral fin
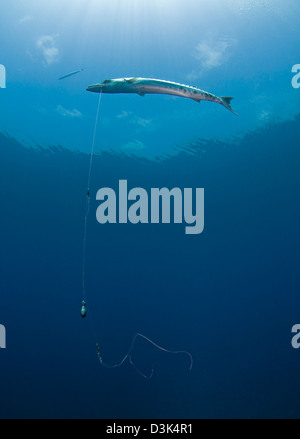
[
  {"x": 197, "y": 100},
  {"x": 141, "y": 92}
]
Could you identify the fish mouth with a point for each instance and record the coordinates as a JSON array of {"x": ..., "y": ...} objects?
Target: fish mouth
[{"x": 96, "y": 88}]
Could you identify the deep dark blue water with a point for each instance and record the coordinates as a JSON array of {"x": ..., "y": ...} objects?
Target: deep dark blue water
[{"x": 230, "y": 295}]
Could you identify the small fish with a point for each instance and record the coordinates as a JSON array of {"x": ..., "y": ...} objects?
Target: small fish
[
  {"x": 142, "y": 86},
  {"x": 70, "y": 74}
]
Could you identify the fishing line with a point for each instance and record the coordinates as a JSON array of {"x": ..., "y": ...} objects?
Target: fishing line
[
  {"x": 88, "y": 199},
  {"x": 84, "y": 307},
  {"x": 128, "y": 355}
]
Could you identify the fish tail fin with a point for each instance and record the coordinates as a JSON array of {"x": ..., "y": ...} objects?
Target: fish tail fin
[{"x": 226, "y": 100}]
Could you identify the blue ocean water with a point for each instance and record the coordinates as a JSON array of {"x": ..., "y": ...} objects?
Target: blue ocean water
[{"x": 229, "y": 295}]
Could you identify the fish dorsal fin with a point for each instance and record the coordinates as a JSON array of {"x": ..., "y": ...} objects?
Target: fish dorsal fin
[{"x": 130, "y": 80}]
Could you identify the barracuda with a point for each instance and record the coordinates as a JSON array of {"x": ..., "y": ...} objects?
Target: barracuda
[{"x": 142, "y": 86}]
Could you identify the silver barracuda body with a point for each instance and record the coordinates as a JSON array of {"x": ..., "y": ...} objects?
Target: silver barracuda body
[{"x": 142, "y": 86}]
